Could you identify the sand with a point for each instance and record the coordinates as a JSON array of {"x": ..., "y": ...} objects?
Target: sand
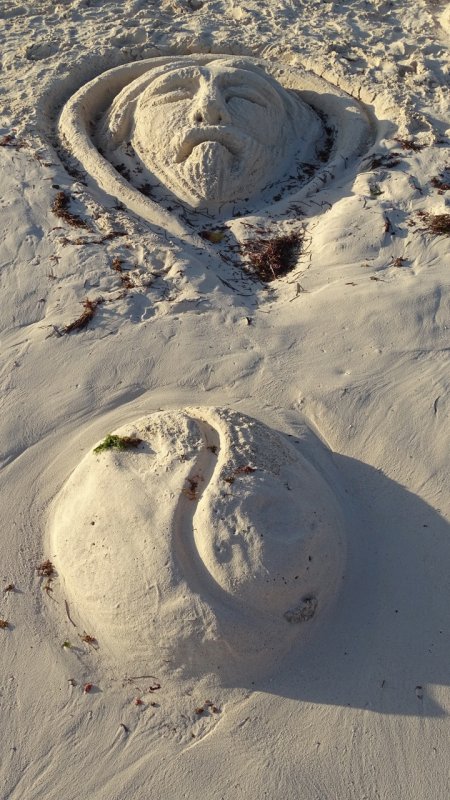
[
  {"x": 199, "y": 547},
  {"x": 339, "y": 370}
]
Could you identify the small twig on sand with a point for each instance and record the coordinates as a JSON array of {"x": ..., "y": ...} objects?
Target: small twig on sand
[
  {"x": 388, "y": 227},
  {"x": 66, "y": 604}
]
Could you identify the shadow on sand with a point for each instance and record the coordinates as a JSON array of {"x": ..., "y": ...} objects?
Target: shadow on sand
[{"x": 386, "y": 642}]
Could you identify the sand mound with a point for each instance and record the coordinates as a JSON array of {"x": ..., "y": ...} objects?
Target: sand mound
[
  {"x": 199, "y": 548},
  {"x": 217, "y": 133}
]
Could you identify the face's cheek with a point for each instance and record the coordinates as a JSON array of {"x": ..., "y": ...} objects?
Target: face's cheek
[
  {"x": 158, "y": 126},
  {"x": 262, "y": 123}
]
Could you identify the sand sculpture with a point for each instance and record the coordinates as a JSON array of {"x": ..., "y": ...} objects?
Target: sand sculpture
[
  {"x": 208, "y": 547},
  {"x": 213, "y": 544},
  {"x": 211, "y": 132}
]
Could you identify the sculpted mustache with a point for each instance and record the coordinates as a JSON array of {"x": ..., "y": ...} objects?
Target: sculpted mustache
[{"x": 213, "y": 134}]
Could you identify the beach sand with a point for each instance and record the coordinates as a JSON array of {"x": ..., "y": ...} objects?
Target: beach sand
[{"x": 329, "y": 383}]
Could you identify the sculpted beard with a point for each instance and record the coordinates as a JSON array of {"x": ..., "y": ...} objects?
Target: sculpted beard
[
  {"x": 204, "y": 163},
  {"x": 214, "y": 172}
]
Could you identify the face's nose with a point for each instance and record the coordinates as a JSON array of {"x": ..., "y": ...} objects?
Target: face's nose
[{"x": 210, "y": 107}]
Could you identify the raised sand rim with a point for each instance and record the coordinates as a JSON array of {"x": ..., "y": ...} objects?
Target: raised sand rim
[
  {"x": 208, "y": 547},
  {"x": 213, "y": 133}
]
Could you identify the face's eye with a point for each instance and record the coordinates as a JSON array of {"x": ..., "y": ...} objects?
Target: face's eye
[
  {"x": 250, "y": 96},
  {"x": 175, "y": 89}
]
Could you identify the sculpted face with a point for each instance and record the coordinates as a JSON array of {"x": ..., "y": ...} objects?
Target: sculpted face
[
  {"x": 219, "y": 133},
  {"x": 215, "y": 127},
  {"x": 210, "y": 133}
]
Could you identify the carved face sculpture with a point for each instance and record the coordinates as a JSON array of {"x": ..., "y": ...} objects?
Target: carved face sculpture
[
  {"x": 210, "y": 133},
  {"x": 219, "y": 133}
]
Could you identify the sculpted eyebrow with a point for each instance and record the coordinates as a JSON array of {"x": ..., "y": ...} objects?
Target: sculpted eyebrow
[{"x": 173, "y": 82}]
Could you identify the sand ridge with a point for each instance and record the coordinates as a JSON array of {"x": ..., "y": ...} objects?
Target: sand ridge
[{"x": 313, "y": 133}]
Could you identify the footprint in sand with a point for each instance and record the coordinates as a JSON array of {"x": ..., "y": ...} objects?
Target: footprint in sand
[{"x": 41, "y": 50}]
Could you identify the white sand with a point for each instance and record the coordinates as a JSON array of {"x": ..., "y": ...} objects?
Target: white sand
[
  {"x": 348, "y": 354},
  {"x": 148, "y": 124},
  {"x": 199, "y": 549}
]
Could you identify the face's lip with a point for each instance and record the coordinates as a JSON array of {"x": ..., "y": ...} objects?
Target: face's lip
[{"x": 216, "y": 133}]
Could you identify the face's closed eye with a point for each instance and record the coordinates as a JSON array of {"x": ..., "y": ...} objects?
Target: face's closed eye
[
  {"x": 174, "y": 88},
  {"x": 174, "y": 95},
  {"x": 249, "y": 95}
]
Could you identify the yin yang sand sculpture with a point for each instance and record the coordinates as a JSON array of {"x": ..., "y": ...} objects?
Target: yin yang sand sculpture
[
  {"x": 210, "y": 547},
  {"x": 217, "y": 134}
]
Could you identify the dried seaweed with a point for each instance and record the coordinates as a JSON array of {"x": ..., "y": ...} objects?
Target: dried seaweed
[
  {"x": 45, "y": 569},
  {"x": 387, "y": 160},
  {"x": 117, "y": 264},
  {"x": 439, "y": 224},
  {"x": 442, "y": 181},
  {"x": 88, "y": 639},
  {"x": 90, "y": 307},
  {"x": 410, "y": 144},
  {"x": 60, "y": 208},
  {"x": 269, "y": 259},
  {"x": 127, "y": 282},
  {"x": 10, "y": 140}
]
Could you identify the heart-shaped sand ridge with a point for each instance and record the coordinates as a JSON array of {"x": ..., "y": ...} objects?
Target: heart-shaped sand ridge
[{"x": 212, "y": 133}]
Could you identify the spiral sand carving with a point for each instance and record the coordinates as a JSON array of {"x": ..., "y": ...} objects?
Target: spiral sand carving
[
  {"x": 218, "y": 134},
  {"x": 209, "y": 547}
]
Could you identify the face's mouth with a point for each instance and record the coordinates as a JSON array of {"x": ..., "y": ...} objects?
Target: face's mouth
[{"x": 219, "y": 134}]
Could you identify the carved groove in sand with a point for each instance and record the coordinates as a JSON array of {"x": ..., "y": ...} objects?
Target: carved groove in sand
[
  {"x": 200, "y": 549},
  {"x": 218, "y": 134}
]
